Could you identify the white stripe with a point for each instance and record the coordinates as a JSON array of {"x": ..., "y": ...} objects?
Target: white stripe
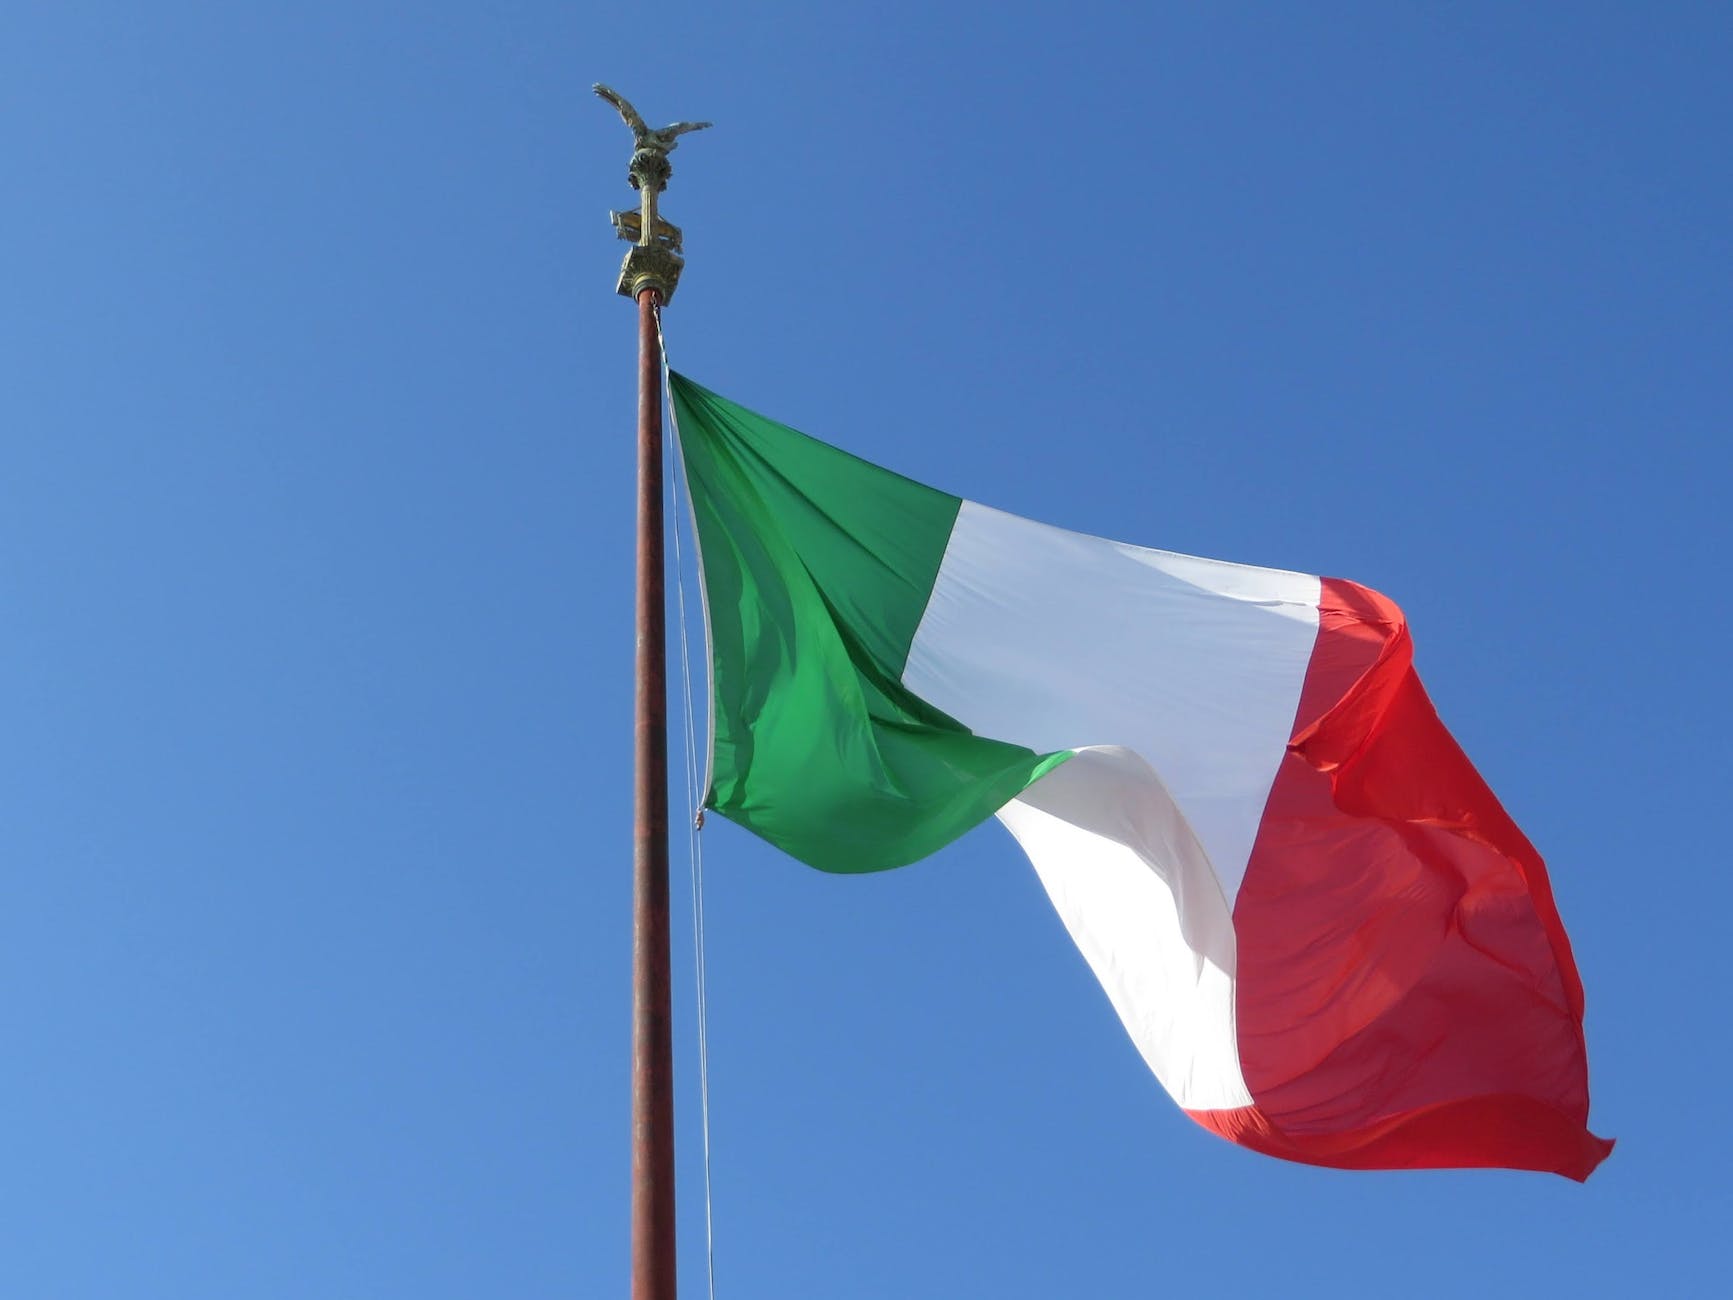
[
  {"x": 1133, "y": 886},
  {"x": 1191, "y": 670}
]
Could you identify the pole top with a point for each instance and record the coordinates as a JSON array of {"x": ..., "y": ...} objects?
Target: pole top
[{"x": 655, "y": 261}]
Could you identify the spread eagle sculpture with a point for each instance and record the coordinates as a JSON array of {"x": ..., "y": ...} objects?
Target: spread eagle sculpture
[{"x": 650, "y": 147}]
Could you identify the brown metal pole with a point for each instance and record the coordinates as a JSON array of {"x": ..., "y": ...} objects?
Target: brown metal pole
[{"x": 652, "y": 1034}]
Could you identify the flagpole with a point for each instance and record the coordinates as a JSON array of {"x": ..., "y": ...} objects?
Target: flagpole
[
  {"x": 653, "y": 1263},
  {"x": 648, "y": 276}
]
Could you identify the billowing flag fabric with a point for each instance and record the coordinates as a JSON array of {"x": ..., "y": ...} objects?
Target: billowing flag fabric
[{"x": 1321, "y": 930}]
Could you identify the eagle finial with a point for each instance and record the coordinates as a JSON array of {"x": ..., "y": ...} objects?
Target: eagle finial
[
  {"x": 655, "y": 261},
  {"x": 650, "y": 146}
]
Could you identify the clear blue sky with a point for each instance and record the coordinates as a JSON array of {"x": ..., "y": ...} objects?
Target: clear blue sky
[{"x": 315, "y": 582}]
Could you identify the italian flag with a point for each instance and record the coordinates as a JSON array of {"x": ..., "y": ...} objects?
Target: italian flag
[{"x": 1321, "y": 930}]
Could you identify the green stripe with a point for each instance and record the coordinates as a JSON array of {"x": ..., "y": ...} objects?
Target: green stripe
[{"x": 817, "y": 569}]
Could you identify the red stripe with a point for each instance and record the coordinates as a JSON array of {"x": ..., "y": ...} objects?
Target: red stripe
[{"x": 1406, "y": 992}]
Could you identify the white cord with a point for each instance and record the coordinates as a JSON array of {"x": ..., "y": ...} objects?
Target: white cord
[{"x": 694, "y": 843}]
